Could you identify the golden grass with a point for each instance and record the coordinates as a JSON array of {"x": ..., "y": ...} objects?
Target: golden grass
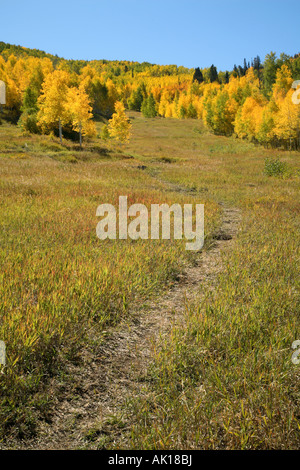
[
  {"x": 58, "y": 280},
  {"x": 224, "y": 381}
]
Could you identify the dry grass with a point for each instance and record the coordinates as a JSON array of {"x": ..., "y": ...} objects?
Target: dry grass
[
  {"x": 225, "y": 379},
  {"x": 59, "y": 280}
]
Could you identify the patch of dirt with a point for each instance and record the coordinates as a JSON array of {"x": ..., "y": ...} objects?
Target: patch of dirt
[{"x": 89, "y": 405}]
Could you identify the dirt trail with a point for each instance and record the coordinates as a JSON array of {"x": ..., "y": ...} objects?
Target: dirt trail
[{"x": 92, "y": 399}]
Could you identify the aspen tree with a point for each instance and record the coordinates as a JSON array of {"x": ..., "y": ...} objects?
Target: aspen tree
[
  {"x": 79, "y": 112},
  {"x": 119, "y": 125},
  {"x": 52, "y": 102}
]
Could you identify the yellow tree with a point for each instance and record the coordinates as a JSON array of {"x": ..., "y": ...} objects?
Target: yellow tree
[
  {"x": 223, "y": 110},
  {"x": 112, "y": 97},
  {"x": 79, "y": 112},
  {"x": 249, "y": 117},
  {"x": 283, "y": 83},
  {"x": 287, "y": 121},
  {"x": 13, "y": 92},
  {"x": 265, "y": 134},
  {"x": 52, "y": 102},
  {"x": 119, "y": 125}
]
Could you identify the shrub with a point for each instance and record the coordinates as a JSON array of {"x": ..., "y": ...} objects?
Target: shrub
[
  {"x": 104, "y": 135},
  {"x": 28, "y": 122},
  {"x": 274, "y": 167}
]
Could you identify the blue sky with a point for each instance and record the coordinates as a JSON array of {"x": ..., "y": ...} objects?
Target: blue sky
[{"x": 183, "y": 32}]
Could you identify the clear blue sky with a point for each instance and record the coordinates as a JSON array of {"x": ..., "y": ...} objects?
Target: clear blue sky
[{"x": 183, "y": 32}]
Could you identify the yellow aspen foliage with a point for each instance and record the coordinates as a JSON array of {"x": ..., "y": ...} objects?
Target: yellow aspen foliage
[
  {"x": 163, "y": 105},
  {"x": 119, "y": 125},
  {"x": 125, "y": 91},
  {"x": 283, "y": 83},
  {"x": 79, "y": 112},
  {"x": 69, "y": 95},
  {"x": 88, "y": 71},
  {"x": 287, "y": 120},
  {"x": 13, "y": 94},
  {"x": 264, "y": 133},
  {"x": 170, "y": 110},
  {"x": 2, "y": 64},
  {"x": 46, "y": 65},
  {"x": 198, "y": 105},
  {"x": 183, "y": 103},
  {"x": 248, "y": 119},
  {"x": 224, "y": 110},
  {"x": 156, "y": 92},
  {"x": 52, "y": 102},
  {"x": 251, "y": 78},
  {"x": 112, "y": 96}
]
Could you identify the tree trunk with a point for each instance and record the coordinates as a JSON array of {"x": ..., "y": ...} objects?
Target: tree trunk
[
  {"x": 80, "y": 135},
  {"x": 60, "y": 130}
]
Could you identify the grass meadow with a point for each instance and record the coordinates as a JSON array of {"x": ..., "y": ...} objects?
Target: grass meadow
[{"x": 225, "y": 379}]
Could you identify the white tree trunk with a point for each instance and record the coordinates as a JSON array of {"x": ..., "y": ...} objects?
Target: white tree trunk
[
  {"x": 80, "y": 135},
  {"x": 60, "y": 130}
]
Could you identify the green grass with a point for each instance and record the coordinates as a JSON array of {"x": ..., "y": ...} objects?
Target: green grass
[
  {"x": 58, "y": 280},
  {"x": 226, "y": 380}
]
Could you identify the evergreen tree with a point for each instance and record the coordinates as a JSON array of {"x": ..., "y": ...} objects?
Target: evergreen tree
[
  {"x": 269, "y": 72},
  {"x": 235, "y": 71},
  {"x": 213, "y": 74},
  {"x": 136, "y": 99},
  {"x": 30, "y": 100},
  {"x": 257, "y": 67},
  {"x": 149, "y": 107},
  {"x": 241, "y": 71},
  {"x": 182, "y": 112},
  {"x": 257, "y": 63},
  {"x": 191, "y": 112},
  {"x": 198, "y": 76}
]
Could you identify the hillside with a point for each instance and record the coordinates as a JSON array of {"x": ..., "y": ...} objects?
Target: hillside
[
  {"x": 252, "y": 102},
  {"x": 79, "y": 315}
]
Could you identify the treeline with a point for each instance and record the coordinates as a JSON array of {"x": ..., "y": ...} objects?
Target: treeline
[{"x": 252, "y": 101}]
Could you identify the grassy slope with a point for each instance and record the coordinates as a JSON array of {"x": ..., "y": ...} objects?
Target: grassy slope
[
  {"x": 59, "y": 280},
  {"x": 226, "y": 380}
]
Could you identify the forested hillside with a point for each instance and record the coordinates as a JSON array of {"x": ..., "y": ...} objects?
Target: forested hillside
[{"x": 253, "y": 101}]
